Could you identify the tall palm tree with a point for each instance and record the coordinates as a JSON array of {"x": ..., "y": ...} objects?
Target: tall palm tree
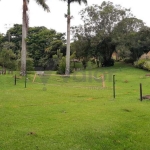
[
  {"x": 68, "y": 32},
  {"x": 24, "y": 31}
]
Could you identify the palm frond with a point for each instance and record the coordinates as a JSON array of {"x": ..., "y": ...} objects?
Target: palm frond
[
  {"x": 43, "y": 4},
  {"x": 78, "y": 1}
]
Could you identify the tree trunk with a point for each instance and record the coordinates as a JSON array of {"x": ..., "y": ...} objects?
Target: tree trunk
[
  {"x": 24, "y": 35},
  {"x": 67, "y": 72}
]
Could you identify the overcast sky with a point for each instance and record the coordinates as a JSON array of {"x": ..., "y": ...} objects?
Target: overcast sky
[{"x": 11, "y": 13}]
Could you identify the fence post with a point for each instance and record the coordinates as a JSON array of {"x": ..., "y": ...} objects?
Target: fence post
[
  {"x": 114, "y": 92},
  {"x": 25, "y": 79},
  {"x": 15, "y": 79},
  {"x": 140, "y": 91}
]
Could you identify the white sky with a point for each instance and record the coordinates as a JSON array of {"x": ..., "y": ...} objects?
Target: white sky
[{"x": 11, "y": 13}]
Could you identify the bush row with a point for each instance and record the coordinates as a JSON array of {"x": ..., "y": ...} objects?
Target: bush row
[
  {"x": 143, "y": 64},
  {"x": 16, "y": 64}
]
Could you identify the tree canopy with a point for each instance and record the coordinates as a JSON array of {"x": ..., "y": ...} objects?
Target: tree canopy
[
  {"x": 42, "y": 43},
  {"x": 105, "y": 27}
]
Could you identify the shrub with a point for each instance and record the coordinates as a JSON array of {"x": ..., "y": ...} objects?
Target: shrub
[
  {"x": 8, "y": 59},
  {"x": 139, "y": 63},
  {"x": 62, "y": 66},
  {"x": 11, "y": 65},
  {"x": 146, "y": 65},
  {"x": 142, "y": 64}
]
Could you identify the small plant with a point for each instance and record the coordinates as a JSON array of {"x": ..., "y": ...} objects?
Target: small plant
[
  {"x": 142, "y": 64},
  {"x": 57, "y": 58},
  {"x": 146, "y": 65},
  {"x": 61, "y": 66},
  {"x": 139, "y": 63}
]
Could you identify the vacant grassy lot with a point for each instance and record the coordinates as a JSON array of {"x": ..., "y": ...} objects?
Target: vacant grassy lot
[{"x": 76, "y": 113}]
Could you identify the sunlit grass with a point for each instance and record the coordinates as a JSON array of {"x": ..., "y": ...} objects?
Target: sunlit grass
[{"x": 75, "y": 113}]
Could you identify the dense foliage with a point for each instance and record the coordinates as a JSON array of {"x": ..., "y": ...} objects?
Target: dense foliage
[
  {"x": 42, "y": 44},
  {"x": 107, "y": 28},
  {"x": 142, "y": 64}
]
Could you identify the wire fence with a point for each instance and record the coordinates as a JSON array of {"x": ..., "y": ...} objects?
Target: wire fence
[{"x": 125, "y": 82}]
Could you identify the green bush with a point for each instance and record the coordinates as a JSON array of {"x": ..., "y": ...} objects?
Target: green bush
[
  {"x": 30, "y": 64},
  {"x": 8, "y": 59},
  {"x": 146, "y": 65},
  {"x": 139, "y": 63},
  {"x": 62, "y": 66},
  {"x": 11, "y": 65},
  {"x": 142, "y": 64}
]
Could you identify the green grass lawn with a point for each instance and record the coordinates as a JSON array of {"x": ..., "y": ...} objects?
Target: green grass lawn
[{"x": 76, "y": 113}]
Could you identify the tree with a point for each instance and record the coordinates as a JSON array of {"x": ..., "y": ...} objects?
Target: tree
[
  {"x": 8, "y": 45},
  {"x": 67, "y": 72},
  {"x": 105, "y": 27},
  {"x": 42, "y": 43},
  {"x": 139, "y": 43},
  {"x": 24, "y": 30},
  {"x": 125, "y": 33},
  {"x": 7, "y": 56},
  {"x": 16, "y": 36},
  {"x": 1, "y": 40},
  {"x": 81, "y": 47},
  {"x": 57, "y": 58}
]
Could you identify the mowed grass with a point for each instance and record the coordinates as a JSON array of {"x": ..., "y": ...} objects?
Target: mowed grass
[{"x": 76, "y": 113}]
